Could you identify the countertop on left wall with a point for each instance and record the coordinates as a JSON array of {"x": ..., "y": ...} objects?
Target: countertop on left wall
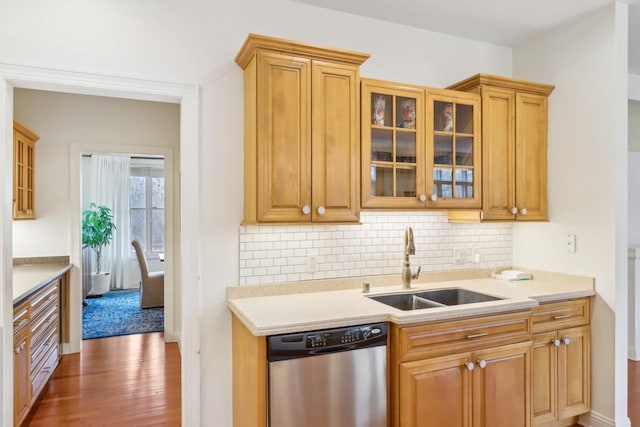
[{"x": 31, "y": 274}]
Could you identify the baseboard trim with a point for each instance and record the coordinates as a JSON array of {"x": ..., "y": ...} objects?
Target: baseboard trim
[
  {"x": 634, "y": 353},
  {"x": 593, "y": 419}
]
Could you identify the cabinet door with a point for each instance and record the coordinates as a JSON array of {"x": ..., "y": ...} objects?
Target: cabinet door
[
  {"x": 531, "y": 157},
  {"x": 435, "y": 392},
  {"x": 393, "y": 162},
  {"x": 283, "y": 138},
  {"x": 21, "y": 378},
  {"x": 23, "y": 177},
  {"x": 501, "y": 389},
  {"x": 574, "y": 375},
  {"x": 498, "y": 153},
  {"x": 544, "y": 374},
  {"x": 453, "y": 149},
  {"x": 335, "y": 142}
]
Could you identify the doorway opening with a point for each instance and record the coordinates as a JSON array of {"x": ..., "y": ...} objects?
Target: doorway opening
[{"x": 124, "y": 295}]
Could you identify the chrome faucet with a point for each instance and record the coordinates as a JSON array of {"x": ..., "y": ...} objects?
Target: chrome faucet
[{"x": 409, "y": 249}]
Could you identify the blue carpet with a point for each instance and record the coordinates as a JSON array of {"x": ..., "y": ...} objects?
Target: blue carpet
[{"x": 119, "y": 313}]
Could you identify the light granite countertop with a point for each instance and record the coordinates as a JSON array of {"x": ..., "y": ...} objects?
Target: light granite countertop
[
  {"x": 28, "y": 278},
  {"x": 276, "y": 309}
]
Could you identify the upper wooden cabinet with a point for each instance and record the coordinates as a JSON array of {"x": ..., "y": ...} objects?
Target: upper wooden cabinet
[
  {"x": 301, "y": 133},
  {"x": 23, "y": 172},
  {"x": 421, "y": 147},
  {"x": 514, "y": 148}
]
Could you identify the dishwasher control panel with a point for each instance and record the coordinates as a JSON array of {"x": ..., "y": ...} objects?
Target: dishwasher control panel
[{"x": 282, "y": 347}]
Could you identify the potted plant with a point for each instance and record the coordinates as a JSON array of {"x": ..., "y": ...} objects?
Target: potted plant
[{"x": 97, "y": 232}]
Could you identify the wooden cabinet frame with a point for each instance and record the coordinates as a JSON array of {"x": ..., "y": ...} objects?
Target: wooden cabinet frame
[
  {"x": 23, "y": 172},
  {"x": 301, "y": 133}
]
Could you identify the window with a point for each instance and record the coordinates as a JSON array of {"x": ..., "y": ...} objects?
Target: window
[{"x": 146, "y": 199}]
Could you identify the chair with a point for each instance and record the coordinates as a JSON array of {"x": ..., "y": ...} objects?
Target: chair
[{"x": 152, "y": 284}]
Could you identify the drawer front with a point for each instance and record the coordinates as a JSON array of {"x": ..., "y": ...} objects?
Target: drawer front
[
  {"x": 454, "y": 336},
  {"x": 20, "y": 318},
  {"x": 44, "y": 299},
  {"x": 43, "y": 323},
  {"x": 40, "y": 377},
  {"x": 559, "y": 315},
  {"x": 40, "y": 349}
]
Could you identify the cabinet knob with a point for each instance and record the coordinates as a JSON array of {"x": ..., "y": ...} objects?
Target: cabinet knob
[
  {"x": 482, "y": 363},
  {"x": 423, "y": 197},
  {"x": 523, "y": 211},
  {"x": 306, "y": 209},
  {"x": 434, "y": 197},
  {"x": 514, "y": 210},
  {"x": 17, "y": 350},
  {"x": 566, "y": 341},
  {"x": 321, "y": 210},
  {"x": 556, "y": 342},
  {"x": 469, "y": 366}
]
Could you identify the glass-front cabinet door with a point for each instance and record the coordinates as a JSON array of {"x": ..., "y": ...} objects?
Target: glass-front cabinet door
[
  {"x": 453, "y": 149},
  {"x": 393, "y": 166}
]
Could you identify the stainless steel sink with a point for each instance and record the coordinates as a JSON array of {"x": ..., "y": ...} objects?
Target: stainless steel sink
[{"x": 432, "y": 298}]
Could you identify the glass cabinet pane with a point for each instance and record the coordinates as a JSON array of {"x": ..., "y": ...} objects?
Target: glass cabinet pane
[
  {"x": 381, "y": 145},
  {"x": 406, "y": 113},
  {"x": 381, "y": 109},
  {"x": 381, "y": 181},
  {"x": 406, "y": 182},
  {"x": 406, "y": 147},
  {"x": 443, "y": 182},
  {"x": 464, "y": 151},
  {"x": 443, "y": 116},
  {"x": 464, "y": 184},
  {"x": 443, "y": 147},
  {"x": 464, "y": 118}
]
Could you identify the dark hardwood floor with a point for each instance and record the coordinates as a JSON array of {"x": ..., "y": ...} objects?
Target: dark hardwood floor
[{"x": 131, "y": 380}]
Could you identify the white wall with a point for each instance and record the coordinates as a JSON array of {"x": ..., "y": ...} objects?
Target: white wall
[
  {"x": 587, "y": 182},
  {"x": 60, "y": 119},
  {"x": 634, "y": 126}
]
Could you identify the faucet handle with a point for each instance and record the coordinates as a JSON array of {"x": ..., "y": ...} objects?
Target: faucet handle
[{"x": 417, "y": 273}]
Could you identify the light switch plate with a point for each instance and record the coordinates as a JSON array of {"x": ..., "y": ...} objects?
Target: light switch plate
[{"x": 570, "y": 243}]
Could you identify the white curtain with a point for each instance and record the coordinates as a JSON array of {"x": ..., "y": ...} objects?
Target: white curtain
[{"x": 110, "y": 187}]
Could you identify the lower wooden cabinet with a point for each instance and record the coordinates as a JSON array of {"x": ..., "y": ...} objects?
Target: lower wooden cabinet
[
  {"x": 561, "y": 374},
  {"x": 21, "y": 375},
  {"x": 468, "y": 389},
  {"x": 36, "y": 326}
]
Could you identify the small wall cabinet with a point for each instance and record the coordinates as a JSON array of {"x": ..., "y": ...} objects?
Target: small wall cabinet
[
  {"x": 420, "y": 147},
  {"x": 514, "y": 150},
  {"x": 23, "y": 172},
  {"x": 301, "y": 134}
]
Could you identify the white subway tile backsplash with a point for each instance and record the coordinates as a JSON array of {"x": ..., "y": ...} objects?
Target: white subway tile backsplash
[{"x": 270, "y": 254}]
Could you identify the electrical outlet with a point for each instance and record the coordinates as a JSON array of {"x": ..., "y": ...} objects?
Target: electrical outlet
[
  {"x": 570, "y": 243},
  {"x": 461, "y": 255},
  {"x": 310, "y": 266}
]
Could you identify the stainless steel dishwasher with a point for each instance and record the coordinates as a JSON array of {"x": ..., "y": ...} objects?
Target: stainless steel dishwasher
[{"x": 329, "y": 378}]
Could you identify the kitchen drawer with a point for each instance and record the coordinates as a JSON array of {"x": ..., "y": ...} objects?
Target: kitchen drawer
[
  {"x": 40, "y": 351},
  {"x": 454, "y": 336},
  {"x": 43, "y": 322},
  {"x": 559, "y": 315},
  {"x": 49, "y": 328},
  {"x": 44, "y": 299},
  {"x": 20, "y": 318},
  {"x": 40, "y": 376}
]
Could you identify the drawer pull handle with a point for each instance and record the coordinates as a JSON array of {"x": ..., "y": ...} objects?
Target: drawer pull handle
[
  {"x": 481, "y": 334},
  {"x": 564, "y": 316}
]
